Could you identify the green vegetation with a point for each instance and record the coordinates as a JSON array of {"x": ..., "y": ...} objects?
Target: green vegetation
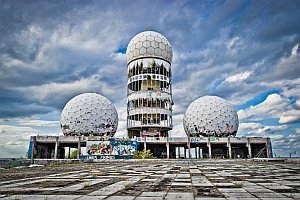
[
  {"x": 143, "y": 155},
  {"x": 74, "y": 154}
]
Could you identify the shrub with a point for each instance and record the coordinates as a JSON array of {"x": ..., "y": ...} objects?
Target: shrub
[{"x": 143, "y": 155}]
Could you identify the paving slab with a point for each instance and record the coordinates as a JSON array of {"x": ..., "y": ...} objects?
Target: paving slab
[
  {"x": 109, "y": 190},
  {"x": 120, "y": 198},
  {"x": 85, "y": 197},
  {"x": 273, "y": 195},
  {"x": 156, "y": 179},
  {"x": 30, "y": 197},
  {"x": 153, "y": 194},
  {"x": 149, "y": 198},
  {"x": 175, "y": 195},
  {"x": 241, "y": 195},
  {"x": 208, "y": 198}
]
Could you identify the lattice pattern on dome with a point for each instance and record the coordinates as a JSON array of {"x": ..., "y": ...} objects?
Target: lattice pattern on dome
[
  {"x": 89, "y": 114},
  {"x": 149, "y": 44},
  {"x": 210, "y": 116}
]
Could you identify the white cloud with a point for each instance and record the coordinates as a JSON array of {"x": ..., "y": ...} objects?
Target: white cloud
[
  {"x": 275, "y": 106},
  {"x": 290, "y": 88},
  {"x": 238, "y": 77},
  {"x": 46, "y": 91},
  {"x": 287, "y": 67},
  {"x": 7, "y": 129},
  {"x": 259, "y": 130},
  {"x": 178, "y": 130},
  {"x": 272, "y": 107},
  {"x": 36, "y": 122},
  {"x": 295, "y": 50},
  {"x": 122, "y": 124},
  {"x": 235, "y": 45},
  {"x": 14, "y": 140},
  {"x": 290, "y": 117},
  {"x": 298, "y": 103},
  {"x": 54, "y": 93}
]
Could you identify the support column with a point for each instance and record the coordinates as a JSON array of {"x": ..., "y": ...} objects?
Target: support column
[
  {"x": 189, "y": 146},
  {"x": 145, "y": 144},
  {"x": 249, "y": 148},
  {"x": 79, "y": 147},
  {"x": 56, "y": 147},
  {"x": 168, "y": 148},
  {"x": 229, "y": 148},
  {"x": 178, "y": 151},
  {"x": 268, "y": 148},
  {"x": 209, "y": 147},
  {"x": 196, "y": 153},
  {"x": 69, "y": 154},
  {"x": 201, "y": 153},
  {"x": 184, "y": 152},
  {"x": 33, "y": 149}
]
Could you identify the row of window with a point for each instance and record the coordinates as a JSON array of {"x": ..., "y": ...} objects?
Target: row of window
[
  {"x": 153, "y": 69},
  {"x": 149, "y": 103}
]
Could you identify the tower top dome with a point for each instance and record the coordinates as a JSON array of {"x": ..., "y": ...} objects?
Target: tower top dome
[{"x": 149, "y": 44}]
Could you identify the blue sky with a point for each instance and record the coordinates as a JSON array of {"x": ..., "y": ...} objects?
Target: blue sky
[{"x": 244, "y": 51}]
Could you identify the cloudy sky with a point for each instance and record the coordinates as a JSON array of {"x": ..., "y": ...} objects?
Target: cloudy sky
[{"x": 247, "y": 52}]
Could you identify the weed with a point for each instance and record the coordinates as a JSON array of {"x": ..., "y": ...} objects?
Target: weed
[{"x": 240, "y": 184}]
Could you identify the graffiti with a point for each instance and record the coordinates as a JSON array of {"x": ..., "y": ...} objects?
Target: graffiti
[
  {"x": 106, "y": 157},
  {"x": 150, "y": 132},
  {"x": 123, "y": 147},
  {"x": 197, "y": 139},
  {"x": 98, "y": 147},
  {"x": 111, "y": 147},
  {"x": 121, "y": 150}
]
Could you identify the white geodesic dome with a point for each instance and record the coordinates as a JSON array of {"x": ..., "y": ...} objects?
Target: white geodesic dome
[
  {"x": 210, "y": 116},
  {"x": 149, "y": 44},
  {"x": 89, "y": 114}
]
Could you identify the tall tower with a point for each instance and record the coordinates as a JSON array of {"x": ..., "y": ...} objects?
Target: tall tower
[{"x": 149, "y": 89}]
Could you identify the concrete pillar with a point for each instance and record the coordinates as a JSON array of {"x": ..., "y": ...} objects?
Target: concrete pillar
[
  {"x": 69, "y": 154},
  {"x": 184, "y": 152},
  {"x": 268, "y": 148},
  {"x": 79, "y": 147},
  {"x": 168, "y": 148},
  {"x": 189, "y": 146},
  {"x": 145, "y": 144},
  {"x": 33, "y": 148},
  {"x": 56, "y": 147},
  {"x": 249, "y": 147},
  {"x": 196, "y": 154},
  {"x": 229, "y": 148},
  {"x": 178, "y": 151},
  {"x": 209, "y": 147},
  {"x": 201, "y": 153}
]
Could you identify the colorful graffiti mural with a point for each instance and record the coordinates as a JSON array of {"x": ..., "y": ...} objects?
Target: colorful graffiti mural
[
  {"x": 153, "y": 132},
  {"x": 123, "y": 147},
  {"x": 98, "y": 147},
  {"x": 112, "y": 148}
]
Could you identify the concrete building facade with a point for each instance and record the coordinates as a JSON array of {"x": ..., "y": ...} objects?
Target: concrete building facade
[{"x": 53, "y": 147}]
